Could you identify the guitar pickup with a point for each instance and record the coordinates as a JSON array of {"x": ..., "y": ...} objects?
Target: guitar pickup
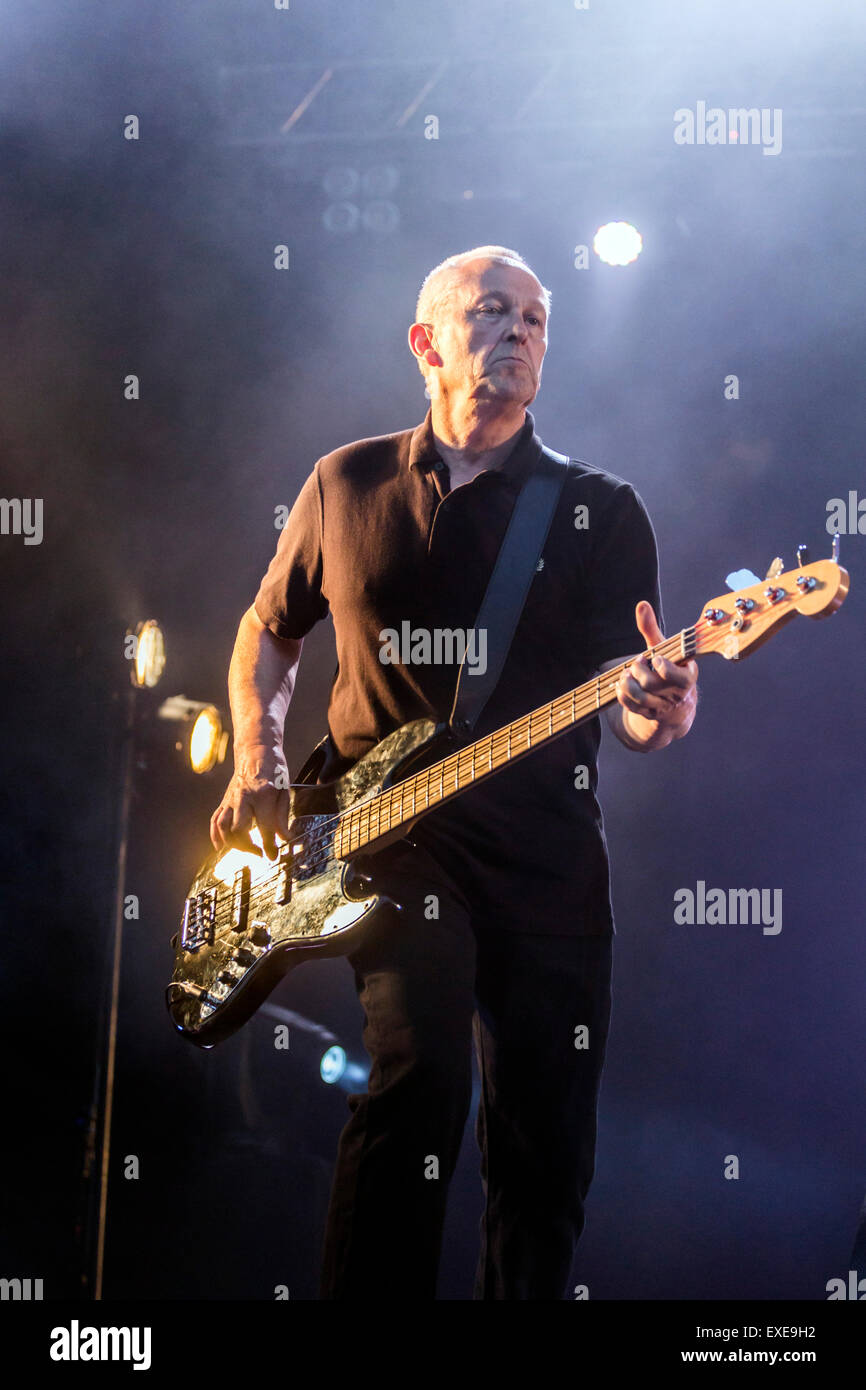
[
  {"x": 241, "y": 899},
  {"x": 283, "y": 891}
]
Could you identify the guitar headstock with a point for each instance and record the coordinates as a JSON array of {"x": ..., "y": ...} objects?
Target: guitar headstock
[{"x": 736, "y": 623}]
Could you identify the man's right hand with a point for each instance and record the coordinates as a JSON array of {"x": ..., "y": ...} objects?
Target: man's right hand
[{"x": 257, "y": 794}]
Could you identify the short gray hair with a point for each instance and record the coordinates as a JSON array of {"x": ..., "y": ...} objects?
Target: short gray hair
[{"x": 435, "y": 288}]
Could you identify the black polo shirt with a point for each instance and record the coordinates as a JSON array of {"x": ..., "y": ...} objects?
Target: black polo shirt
[{"x": 377, "y": 538}]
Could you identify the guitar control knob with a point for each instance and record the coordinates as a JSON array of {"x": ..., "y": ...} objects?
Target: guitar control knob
[
  {"x": 227, "y": 977},
  {"x": 243, "y": 956},
  {"x": 260, "y": 934}
]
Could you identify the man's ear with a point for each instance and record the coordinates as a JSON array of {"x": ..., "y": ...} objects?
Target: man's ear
[{"x": 422, "y": 346}]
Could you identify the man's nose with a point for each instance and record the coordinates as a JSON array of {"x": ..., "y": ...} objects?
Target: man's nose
[{"x": 517, "y": 329}]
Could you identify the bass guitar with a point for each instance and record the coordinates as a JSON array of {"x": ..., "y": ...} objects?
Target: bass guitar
[{"x": 248, "y": 920}]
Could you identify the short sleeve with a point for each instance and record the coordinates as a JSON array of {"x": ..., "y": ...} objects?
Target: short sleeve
[
  {"x": 290, "y": 599},
  {"x": 623, "y": 570}
]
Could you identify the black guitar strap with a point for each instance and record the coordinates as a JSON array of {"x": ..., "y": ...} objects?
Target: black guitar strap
[{"x": 506, "y": 593}]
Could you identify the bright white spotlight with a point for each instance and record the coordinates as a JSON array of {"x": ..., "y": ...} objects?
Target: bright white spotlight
[
  {"x": 149, "y": 654},
  {"x": 617, "y": 243},
  {"x": 333, "y": 1064}
]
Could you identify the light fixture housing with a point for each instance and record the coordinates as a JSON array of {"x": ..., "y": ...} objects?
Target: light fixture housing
[{"x": 205, "y": 738}]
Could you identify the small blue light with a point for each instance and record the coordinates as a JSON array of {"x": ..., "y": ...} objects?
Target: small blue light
[{"x": 333, "y": 1065}]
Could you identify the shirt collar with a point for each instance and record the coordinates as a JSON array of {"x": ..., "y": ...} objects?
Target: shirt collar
[{"x": 526, "y": 452}]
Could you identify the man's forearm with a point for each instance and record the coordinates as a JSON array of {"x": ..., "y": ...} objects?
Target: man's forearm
[{"x": 262, "y": 677}]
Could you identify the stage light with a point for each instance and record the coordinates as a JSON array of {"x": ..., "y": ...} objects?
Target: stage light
[
  {"x": 381, "y": 217},
  {"x": 333, "y": 1064},
  {"x": 335, "y": 1068},
  {"x": 149, "y": 661},
  {"x": 380, "y": 180},
  {"x": 617, "y": 243},
  {"x": 361, "y": 200},
  {"x": 340, "y": 184},
  {"x": 341, "y": 218},
  {"x": 207, "y": 740},
  {"x": 317, "y": 1049}
]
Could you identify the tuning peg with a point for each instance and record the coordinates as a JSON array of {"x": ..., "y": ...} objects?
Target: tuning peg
[
  {"x": 776, "y": 568},
  {"x": 836, "y": 547},
  {"x": 802, "y": 555}
]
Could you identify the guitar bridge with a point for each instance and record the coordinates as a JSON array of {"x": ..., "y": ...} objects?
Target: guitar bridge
[{"x": 199, "y": 918}]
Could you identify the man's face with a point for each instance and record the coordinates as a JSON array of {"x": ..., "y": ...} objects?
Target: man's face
[{"x": 491, "y": 333}]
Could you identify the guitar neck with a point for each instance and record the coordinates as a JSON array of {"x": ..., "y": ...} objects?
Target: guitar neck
[{"x": 413, "y": 797}]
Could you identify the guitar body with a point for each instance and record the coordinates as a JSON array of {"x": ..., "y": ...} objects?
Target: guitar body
[{"x": 247, "y": 922}]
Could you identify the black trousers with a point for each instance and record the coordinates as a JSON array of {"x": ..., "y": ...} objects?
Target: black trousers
[{"x": 431, "y": 980}]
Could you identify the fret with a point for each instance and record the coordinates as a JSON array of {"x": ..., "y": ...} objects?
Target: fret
[{"x": 418, "y": 793}]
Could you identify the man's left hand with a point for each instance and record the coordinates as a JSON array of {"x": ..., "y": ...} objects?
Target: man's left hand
[{"x": 656, "y": 698}]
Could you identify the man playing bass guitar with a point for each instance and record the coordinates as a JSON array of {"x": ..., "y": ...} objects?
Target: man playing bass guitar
[{"x": 505, "y": 934}]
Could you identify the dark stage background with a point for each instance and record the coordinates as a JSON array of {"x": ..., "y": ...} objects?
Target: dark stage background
[{"x": 155, "y": 257}]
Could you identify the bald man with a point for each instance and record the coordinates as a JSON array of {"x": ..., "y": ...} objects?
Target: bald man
[{"x": 505, "y": 934}]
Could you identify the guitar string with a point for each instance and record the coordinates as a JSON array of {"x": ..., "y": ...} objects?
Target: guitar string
[
  {"x": 263, "y": 887},
  {"x": 314, "y": 837}
]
